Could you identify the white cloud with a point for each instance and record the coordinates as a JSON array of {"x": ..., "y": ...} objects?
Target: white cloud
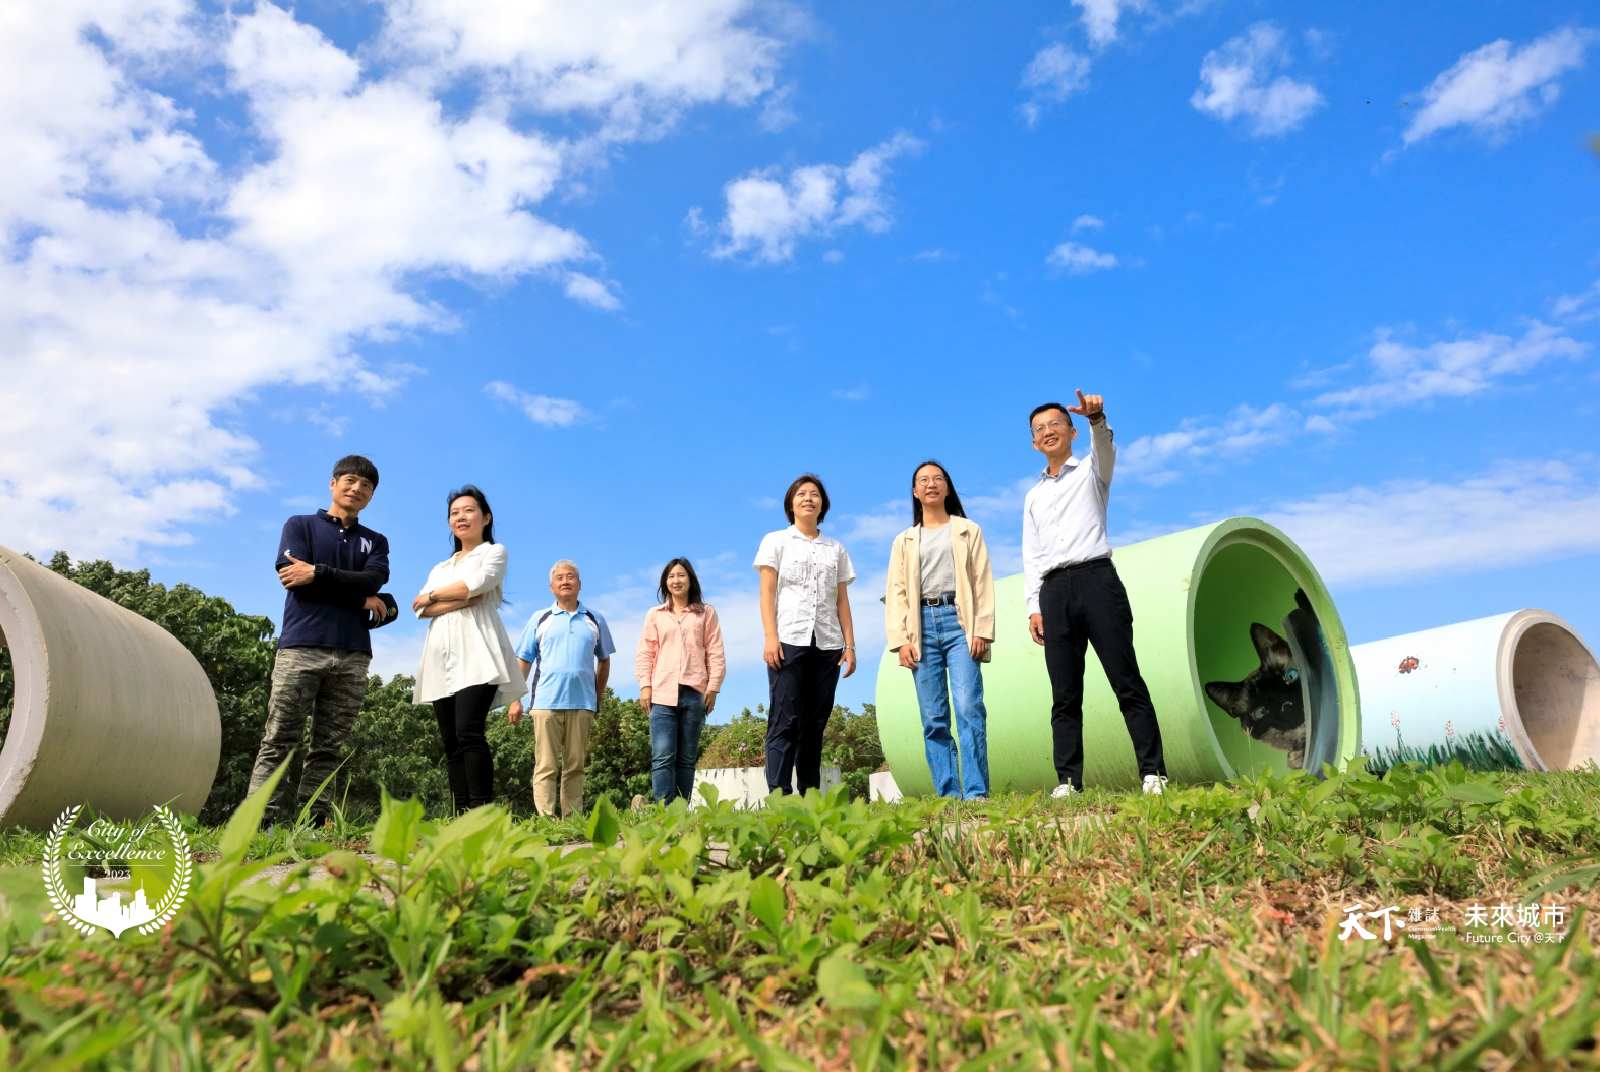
[
  {"x": 1100, "y": 18},
  {"x": 768, "y": 213},
  {"x": 149, "y": 289},
  {"x": 1493, "y": 88},
  {"x": 1078, "y": 259},
  {"x": 1160, "y": 459},
  {"x": 540, "y": 409},
  {"x": 1236, "y": 83},
  {"x": 1578, "y": 308},
  {"x": 1403, "y": 374},
  {"x": 590, "y": 291},
  {"x": 635, "y": 64},
  {"x": 1520, "y": 513},
  {"x": 1055, "y": 73},
  {"x": 1087, "y": 222}
]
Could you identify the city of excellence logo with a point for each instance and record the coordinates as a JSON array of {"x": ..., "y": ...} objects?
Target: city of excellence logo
[{"x": 150, "y": 861}]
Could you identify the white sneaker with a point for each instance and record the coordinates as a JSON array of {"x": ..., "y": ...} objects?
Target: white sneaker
[
  {"x": 1065, "y": 789},
  {"x": 1154, "y": 784}
]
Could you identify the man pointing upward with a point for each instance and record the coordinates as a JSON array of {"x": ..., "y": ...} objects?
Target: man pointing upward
[{"x": 1075, "y": 597}]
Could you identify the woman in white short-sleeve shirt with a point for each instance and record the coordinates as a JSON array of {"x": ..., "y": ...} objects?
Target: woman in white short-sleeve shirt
[
  {"x": 805, "y": 614},
  {"x": 468, "y": 664}
]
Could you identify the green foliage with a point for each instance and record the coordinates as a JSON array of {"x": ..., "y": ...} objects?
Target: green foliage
[
  {"x": 619, "y": 753},
  {"x": 742, "y": 742},
  {"x": 1196, "y": 930},
  {"x": 850, "y": 742}
]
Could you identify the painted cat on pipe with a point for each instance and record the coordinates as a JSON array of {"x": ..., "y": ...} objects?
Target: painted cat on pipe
[
  {"x": 1512, "y": 691},
  {"x": 1231, "y": 623}
]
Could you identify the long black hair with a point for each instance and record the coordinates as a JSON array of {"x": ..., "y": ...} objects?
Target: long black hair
[
  {"x": 694, "y": 583},
  {"x": 474, "y": 492},
  {"x": 952, "y": 501}
]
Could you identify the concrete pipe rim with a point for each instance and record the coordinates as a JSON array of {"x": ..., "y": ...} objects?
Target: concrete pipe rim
[
  {"x": 23, "y": 636},
  {"x": 1535, "y": 647},
  {"x": 1258, "y": 535}
]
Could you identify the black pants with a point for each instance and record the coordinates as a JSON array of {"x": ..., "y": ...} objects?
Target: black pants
[
  {"x": 801, "y": 700},
  {"x": 1082, "y": 605},
  {"x": 467, "y": 760}
]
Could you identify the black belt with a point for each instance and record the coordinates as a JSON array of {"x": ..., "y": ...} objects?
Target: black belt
[
  {"x": 1103, "y": 560},
  {"x": 943, "y": 601}
]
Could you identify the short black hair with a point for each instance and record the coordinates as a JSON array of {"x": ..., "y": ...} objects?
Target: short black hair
[
  {"x": 356, "y": 465},
  {"x": 788, "y": 496},
  {"x": 473, "y": 492},
  {"x": 1049, "y": 405},
  {"x": 693, "y": 593}
]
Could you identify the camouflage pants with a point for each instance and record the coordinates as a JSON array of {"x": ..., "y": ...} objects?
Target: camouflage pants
[{"x": 326, "y": 685}]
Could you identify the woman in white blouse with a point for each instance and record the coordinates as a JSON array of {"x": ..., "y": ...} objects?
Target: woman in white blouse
[
  {"x": 468, "y": 663},
  {"x": 805, "y": 614}
]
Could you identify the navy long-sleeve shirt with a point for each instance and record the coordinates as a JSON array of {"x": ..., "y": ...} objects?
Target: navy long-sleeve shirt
[{"x": 352, "y": 563}]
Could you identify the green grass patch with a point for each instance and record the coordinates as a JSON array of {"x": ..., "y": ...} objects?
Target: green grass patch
[{"x": 1195, "y": 931}]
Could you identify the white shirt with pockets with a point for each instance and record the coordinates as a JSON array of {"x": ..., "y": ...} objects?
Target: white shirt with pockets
[{"x": 809, "y": 575}]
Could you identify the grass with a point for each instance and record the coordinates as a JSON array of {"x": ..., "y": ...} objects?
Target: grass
[
  {"x": 1474, "y": 751},
  {"x": 1196, "y": 931}
]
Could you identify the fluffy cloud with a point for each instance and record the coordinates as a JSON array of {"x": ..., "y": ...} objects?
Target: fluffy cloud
[
  {"x": 540, "y": 409},
  {"x": 151, "y": 286},
  {"x": 635, "y": 64},
  {"x": 768, "y": 213},
  {"x": 1100, "y": 18},
  {"x": 1236, "y": 83},
  {"x": 1079, "y": 259},
  {"x": 1087, "y": 223},
  {"x": 1493, "y": 88},
  {"x": 1055, "y": 73},
  {"x": 1520, "y": 513},
  {"x": 1404, "y": 374},
  {"x": 1159, "y": 459}
]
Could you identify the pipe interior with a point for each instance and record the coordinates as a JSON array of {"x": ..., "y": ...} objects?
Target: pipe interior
[
  {"x": 1556, "y": 684},
  {"x": 1241, "y": 584},
  {"x": 8, "y": 688}
]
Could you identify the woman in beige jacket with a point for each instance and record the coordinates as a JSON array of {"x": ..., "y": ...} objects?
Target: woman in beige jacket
[{"x": 939, "y": 617}]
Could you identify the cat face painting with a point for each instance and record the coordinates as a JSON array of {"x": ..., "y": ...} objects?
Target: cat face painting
[{"x": 1268, "y": 703}]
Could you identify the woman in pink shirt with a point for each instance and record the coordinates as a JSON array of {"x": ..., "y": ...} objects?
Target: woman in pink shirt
[{"x": 680, "y": 665}]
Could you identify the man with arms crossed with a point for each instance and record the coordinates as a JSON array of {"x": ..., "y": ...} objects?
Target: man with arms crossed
[
  {"x": 568, "y": 648},
  {"x": 333, "y": 568},
  {"x": 1075, "y": 597}
]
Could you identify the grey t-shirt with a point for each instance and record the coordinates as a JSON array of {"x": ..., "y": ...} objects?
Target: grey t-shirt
[{"x": 938, "y": 564}]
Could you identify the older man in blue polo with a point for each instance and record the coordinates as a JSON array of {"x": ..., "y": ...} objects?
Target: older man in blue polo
[{"x": 567, "y": 648}]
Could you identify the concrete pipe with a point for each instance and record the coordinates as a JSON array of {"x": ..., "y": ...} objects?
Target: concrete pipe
[
  {"x": 1518, "y": 690},
  {"x": 110, "y": 710},
  {"x": 1195, "y": 597}
]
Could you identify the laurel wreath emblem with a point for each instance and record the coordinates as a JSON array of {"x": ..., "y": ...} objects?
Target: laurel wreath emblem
[{"x": 165, "y": 908}]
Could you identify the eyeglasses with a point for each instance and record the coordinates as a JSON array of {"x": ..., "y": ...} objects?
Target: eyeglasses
[
  {"x": 1045, "y": 426},
  {"x": 929, "y": 481}
]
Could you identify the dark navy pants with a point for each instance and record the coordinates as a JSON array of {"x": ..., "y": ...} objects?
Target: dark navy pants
[{"x": 797, "y": 712}]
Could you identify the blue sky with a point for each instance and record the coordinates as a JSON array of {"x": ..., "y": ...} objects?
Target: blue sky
[{"x": 631, "y": 270}]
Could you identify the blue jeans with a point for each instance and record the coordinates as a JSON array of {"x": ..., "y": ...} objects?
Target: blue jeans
[
  {"x": 675, "y": 745},
  {"x": 944, "y": 648}
]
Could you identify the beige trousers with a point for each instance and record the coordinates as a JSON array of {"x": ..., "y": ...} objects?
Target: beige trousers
[{"x": 560, "y": 747}]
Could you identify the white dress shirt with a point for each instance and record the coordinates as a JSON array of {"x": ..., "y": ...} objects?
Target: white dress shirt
[
  {"x": 809, "y": 575},
  {"x": 1064, "y": 516},
  {"x": 469, "y": 646}
]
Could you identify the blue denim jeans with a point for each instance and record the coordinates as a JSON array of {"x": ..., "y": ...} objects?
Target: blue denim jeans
[
  {"x": 675, "y": 745},
  {"x": 944, "y": 648}
]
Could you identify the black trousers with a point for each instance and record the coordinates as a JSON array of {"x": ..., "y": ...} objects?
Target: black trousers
[
  {"x": 467, "y": 760},
  {"x": 1082, "y": 605},
  {"x": 800, "y": 702}
]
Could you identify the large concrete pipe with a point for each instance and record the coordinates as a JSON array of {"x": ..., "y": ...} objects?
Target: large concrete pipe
[
  {"x": 1514, "y": 690},
  {"x": 110, "y": 709},
  {"x": 1195, "y": 595}
]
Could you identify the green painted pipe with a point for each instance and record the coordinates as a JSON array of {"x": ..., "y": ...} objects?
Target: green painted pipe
[{"x": 1194, "y": 596}]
